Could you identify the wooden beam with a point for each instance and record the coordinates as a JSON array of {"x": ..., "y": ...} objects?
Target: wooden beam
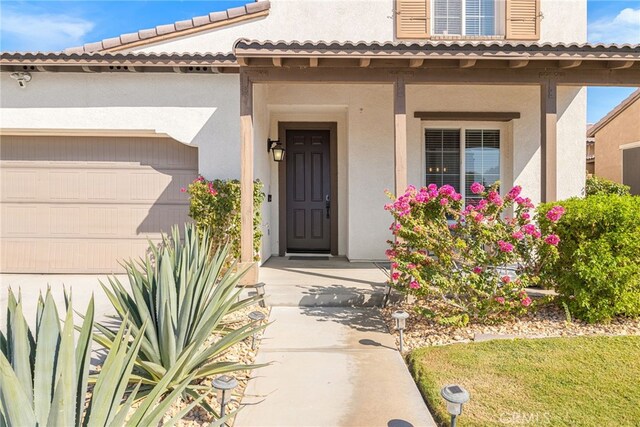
[
  {"x": 416, "y": 63},
  {"x": 480, "y": 76},
  {"x": 548, "y": 141},
  {"x": 619, "y": 65},
  {"x": 518, "y": 63},
  {"x": 468, "y": 63},
  {"x": 365, "y": 62},
  {"x": 569, "y": 63},
  {"x": 313, "y": 62},
  {"x": 477, "y": 116},
  {"x": 88, "y": 69},
  {"x": 242, "y": 61},
  {"x": 246, "y": 168},
  {"x": 277, "y": 61},
  {"x": 400, "y": 136}
]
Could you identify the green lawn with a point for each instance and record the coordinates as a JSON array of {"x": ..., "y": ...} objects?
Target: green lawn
[{"x": 586, "y": 381}]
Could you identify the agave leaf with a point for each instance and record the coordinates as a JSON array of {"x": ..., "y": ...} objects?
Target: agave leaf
[
  {"x": 121, "y": 415},
  {"x": 16, "y": 404},
  {"x": 45, "y": 367},
  {"x": 21, "y": 351},
  {"x": 154, "y": 416},
  {"x": 63, "y": 405},
  {"x": 178, "y": 416},
  {"x": 83, "y": 359}
]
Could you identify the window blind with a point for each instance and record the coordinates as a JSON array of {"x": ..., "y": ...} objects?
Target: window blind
[
  {"x": 482, "y": 158},
  {"x": 447, "y": 16},
  {"x": 442, "y": 148}
]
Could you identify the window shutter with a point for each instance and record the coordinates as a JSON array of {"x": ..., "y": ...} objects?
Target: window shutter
[
  {"x": 523, "y": 20},
  {"x": 412, "y": 19}
]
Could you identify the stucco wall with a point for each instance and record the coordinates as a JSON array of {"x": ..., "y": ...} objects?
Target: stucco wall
[
  {"x": 624, "y": 129},
  {"x": 369, "y": 20},
  {"x": 202, "y": 110}
]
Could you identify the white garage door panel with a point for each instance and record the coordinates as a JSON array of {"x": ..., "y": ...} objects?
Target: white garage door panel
[{"x": 81, "y": 204}]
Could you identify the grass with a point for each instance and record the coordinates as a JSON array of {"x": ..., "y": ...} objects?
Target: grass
[{"x": 585, "y": 381}]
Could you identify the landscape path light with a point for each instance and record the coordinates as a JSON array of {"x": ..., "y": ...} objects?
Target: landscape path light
[
  {"x": 224, "y": 383},
  {"x": 401, "y": 322},
  {"x": 256, "y": 316},
  {"x": 260, "y": 291},
  {"x": 455, "y": 396}
]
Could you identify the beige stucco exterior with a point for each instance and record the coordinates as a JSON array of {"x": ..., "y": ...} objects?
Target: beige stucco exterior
[
  {"x": 202, "y": 110},
  {"x": 622, "y": 130}
]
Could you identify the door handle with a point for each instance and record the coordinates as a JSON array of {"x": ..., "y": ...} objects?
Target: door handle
[{"x": 327, "y": 204}]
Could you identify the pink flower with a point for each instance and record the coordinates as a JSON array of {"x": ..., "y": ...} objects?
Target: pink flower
[
  {"x": 481, "y": 204},
  {"x": 388, "y": 206},
  {"x": 477, "y": 188},
  {"x": 505, "y": 246},
  {"x": 444, "y": 202},
  {"x": 183, "y": 190},
  {"x": 526, "y": 302},
  {"x": 447, "y": 190},
  {"x": 525, "y": 216},
  {"x": 453, "y": 226},
  {"x": 518, "y": 235},
  {"x": 411, "y": 266},
  {"x": 555, "y": 213},
  {"x": 432, "y": 187},
  {"x": 514, "y": 192},
  {"x": 390, "y": 253},
  {"x": 530, "y": 229},
  {"x": 414, "y": 285},
  {"x": 395, "y": 276},
  {"x": 394, "y": 265},
  {"x": 495, "y": 198},
  {"x": 500, "y": 300},
  {"x": 552, "y": 239},
  {"x": 456, "y": 196},
  {"x": 479, "y": 217},
  {"x": 505, "y": 279},
  {"x": 477, "y": 270},
  {"x": 199, "y": 179}
]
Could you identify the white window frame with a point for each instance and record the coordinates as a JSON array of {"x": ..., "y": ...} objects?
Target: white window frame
[
  {"x": 500, "y": 14},
  {"x": 462, "y": 126}
]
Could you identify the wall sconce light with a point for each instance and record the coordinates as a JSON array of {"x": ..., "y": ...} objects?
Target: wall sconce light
[{"x": 276, "y": 149}]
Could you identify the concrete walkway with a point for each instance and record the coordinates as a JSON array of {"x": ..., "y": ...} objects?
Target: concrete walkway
[{"x": 330, "y": 365}]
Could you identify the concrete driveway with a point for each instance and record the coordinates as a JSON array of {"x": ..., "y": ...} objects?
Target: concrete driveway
[{"x": 81, "y": 287}]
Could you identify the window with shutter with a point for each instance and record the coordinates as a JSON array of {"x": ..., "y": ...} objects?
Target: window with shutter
[
  {"x": 523, "y": 19},
  {"x": 412, "y": 19}
]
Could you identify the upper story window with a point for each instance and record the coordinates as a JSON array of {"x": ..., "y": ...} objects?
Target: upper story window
[
  {"x": 472, "y": 19},
  {"x": 464, "y": 17}
]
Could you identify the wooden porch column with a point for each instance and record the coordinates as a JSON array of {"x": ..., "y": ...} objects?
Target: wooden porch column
[
  {"x": 400, "y": 136},
  {"x": 246, "y": 175},
  {"x": 548, "y": 141}
]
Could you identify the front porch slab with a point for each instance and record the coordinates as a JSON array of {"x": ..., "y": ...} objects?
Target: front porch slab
[{"x": 334, "y": 282}]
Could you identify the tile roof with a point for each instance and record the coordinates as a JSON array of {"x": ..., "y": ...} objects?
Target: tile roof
[
  {"x": 451, "y": 49},
  {"x": 118, "y": 58},
  {"x": 635, "y": 96},
  {"x": 219, "y": 18}
]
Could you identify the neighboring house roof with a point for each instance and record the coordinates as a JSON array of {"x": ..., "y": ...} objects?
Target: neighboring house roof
[
  {"x": 179, "y": 28},
  {"x": 635, "y": 96}
]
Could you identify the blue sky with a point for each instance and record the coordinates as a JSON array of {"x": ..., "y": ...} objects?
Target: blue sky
[{"x": 28, "y": 25}]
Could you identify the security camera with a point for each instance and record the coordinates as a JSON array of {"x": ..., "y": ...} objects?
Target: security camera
[{"x": 22, "y": 78}]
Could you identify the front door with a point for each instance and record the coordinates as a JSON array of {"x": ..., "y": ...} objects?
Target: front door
[{"x": 308, "y": 191}]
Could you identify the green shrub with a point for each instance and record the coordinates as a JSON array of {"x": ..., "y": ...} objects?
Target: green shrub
[
  {"x": 596, "y": 186},
  {"x": 182, "y": 295},
  {"x": 44, "y": 376},
  {"x": 597, "y": 272},
  {"x": 215, "y": 206}
]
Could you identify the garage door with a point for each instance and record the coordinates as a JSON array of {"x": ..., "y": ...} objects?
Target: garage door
[{"x": 81, "y": 204}]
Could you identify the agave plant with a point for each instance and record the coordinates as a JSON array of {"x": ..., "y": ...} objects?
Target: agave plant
[
  {"x": 44, "y": 376},
  {"x": 182, "y": 294}
]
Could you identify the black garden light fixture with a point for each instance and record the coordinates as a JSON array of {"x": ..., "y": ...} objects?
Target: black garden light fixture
[
  {"x": 224, "y": 383},
  {"x": 260, "y": 292},
  {"x": 255, "y": 316},
  {"x": 276, "y": 148},
  {"x": 455, "y": 396},
  {"x": 401, "y": 322}
]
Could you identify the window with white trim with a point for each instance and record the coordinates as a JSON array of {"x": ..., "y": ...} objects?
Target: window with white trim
[
  {"x": 465, "y": 17},
  {"x": 459, "y": 157}
]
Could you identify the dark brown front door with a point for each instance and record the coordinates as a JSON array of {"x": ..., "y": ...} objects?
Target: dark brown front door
[{"x": 308, "y": 191}]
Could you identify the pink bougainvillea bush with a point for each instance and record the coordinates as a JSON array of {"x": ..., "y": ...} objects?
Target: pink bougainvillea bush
[{"x": 474, "y": 261}]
